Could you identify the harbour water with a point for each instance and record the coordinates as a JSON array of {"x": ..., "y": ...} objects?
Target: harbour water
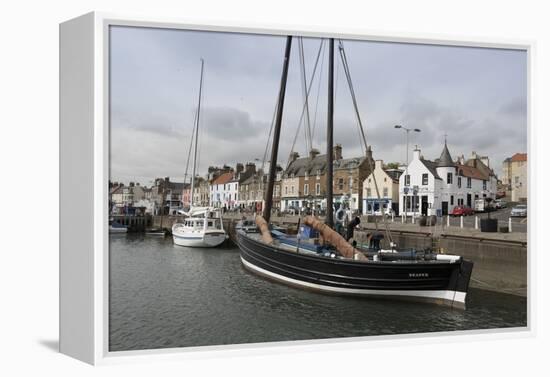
[{"x": 164, "y": 296}]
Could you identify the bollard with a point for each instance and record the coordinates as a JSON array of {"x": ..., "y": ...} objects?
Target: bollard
[
  {"x": 448, "y": 221},
  {"x": 461, "y": 222},
  {"x": 476, "y": 223},
  {"x": 402, "y": 219},
  {"x": 509, "y": 225},
  {"x": 412, "y": 218},
  {"x": 392, "y": 217}
]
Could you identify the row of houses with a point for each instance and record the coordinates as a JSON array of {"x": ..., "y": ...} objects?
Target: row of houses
[{"x": 427, "y": 187}]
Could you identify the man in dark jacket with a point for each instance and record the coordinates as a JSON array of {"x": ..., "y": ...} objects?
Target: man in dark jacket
[{"x": 351, "y": 227}]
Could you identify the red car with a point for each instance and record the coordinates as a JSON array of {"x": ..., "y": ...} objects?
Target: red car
[{"x": 462, "y": 211}]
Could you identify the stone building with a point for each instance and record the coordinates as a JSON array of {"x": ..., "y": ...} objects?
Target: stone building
[{"x": 514, "y": 176}]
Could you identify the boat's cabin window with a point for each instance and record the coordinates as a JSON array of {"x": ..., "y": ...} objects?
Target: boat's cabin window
[
  {"x": 199, "y": 223},
  {"x": 210, "y": 224}
]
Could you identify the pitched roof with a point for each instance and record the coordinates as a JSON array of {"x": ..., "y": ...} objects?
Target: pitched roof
[
  {"x": 223, "y": 179},
  {"x": 431, "y": 166},
  {"x": 300, "y": 166},
  {"x": 445, "y": 160},
  {"x": 478, "y": 164},
  {"x": 519, "y": 157},
  {"x": 471, "y": 172},
  {"x": 348, "y": 163}
]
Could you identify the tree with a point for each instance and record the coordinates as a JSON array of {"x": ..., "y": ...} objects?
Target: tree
[{"x": 392, "y": 165}]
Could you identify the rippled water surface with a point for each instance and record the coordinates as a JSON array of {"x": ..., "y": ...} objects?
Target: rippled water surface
[{"x": 162, "y": 295}]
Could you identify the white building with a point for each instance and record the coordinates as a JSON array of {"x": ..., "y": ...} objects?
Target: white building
[
  {"x": 436, "y": 187},
  {"x": 387, "y": 197},
  {"x": 222, "y": 190}
]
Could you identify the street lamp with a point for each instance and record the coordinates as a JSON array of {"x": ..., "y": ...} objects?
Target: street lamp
[{"x": 407, "y": 130}]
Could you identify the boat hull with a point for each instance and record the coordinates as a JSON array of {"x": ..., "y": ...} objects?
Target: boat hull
[
  {"x": 439, "y": 282},
  {"x": 203, "y": 240}
]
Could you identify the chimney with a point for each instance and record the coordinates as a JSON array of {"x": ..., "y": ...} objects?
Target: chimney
[
  {"x": 474, "y": 155},
  {"x": 239, "y": 168},
  {"x": 251, "y": 167},
  {"x": 485, "y": 160},
  {"x": 294, "y": 156},
  {"x": 337, "y": 152},
  {"x": 416, "y": 154},
  {"x": 313, "y": 153},
  {"x": 378, "y": 164}
]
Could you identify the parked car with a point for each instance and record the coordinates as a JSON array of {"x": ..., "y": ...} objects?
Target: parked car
[
  {"x": 462, "y": 211},
  {"x": 499, "y": 203},
  {"x": 519, "y": 211},
  {"x": 291, "y": 210}
]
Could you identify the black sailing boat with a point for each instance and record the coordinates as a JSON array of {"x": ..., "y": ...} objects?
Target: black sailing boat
[{"x": 333, "y": 265}]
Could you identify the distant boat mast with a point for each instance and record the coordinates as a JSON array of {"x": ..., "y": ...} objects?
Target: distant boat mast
[{"x": 196, "y": 137}]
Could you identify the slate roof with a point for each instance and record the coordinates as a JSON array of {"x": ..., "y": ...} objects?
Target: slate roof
[
  {"x": 300, "y": 166},
  {"x": 348, "y": 163},
  {"x": 431, "y": 166},
  {"x": 445, "y": 160}
]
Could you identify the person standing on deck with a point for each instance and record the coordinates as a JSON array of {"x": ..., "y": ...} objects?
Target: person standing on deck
[{"x": 351, "y": 227}]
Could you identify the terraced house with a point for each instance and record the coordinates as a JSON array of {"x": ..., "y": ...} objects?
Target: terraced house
[
  {"x": 304, "y": 180},
  {"x": 435, "y": 187}
]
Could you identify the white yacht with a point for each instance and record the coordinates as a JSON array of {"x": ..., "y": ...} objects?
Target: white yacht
[{"x": 203, "y": 228}]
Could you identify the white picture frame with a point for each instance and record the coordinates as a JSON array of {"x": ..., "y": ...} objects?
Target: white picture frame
[{"x": 84, "y": 174}]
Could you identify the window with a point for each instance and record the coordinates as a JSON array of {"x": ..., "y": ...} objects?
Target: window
[
  {"x": 484, "y": 185},
  {"x": 452, "y": 200},
  {"x": 425, "y": 179},
  {"x": 449, "y": 178},
  {"x": 459, "y": 182},
  {"x": 318, "y": 173},
  {"x": 368, "y": 192},
  {"x": 350, "y": 183},
  {"x": 407, "y": 180},
  {"x": 306, "y": 189},
  {"x": 317, "y": 189},
  {"x": 469, "y": 182},
  {"x": 286, "y": 190},
  {"x": 385, "y": 192},
  {"x": 516, "y": 180},
  {"x": 340, "y": 183},
  {"x": 306, "y": 176},
  {"x": 292, "y": 189}
]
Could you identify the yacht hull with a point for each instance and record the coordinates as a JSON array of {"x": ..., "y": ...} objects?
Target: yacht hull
[
  {"x": 199, "y": 240},
  {"x": 432, "y": 281}
]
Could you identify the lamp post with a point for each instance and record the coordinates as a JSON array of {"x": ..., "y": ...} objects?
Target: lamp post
[{"x": 407, "y": 130}]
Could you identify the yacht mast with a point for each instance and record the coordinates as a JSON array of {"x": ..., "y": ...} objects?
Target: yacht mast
[
  {"x": 277, "y": 134},
  {"x": 330, "y": 132},
  {"x": 196, "y": 137}
]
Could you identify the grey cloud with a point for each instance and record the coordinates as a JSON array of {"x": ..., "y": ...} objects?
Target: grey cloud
[
  {"x": 516, "y": 107},
  {"x": 475, "y": 96},
  {"x": 226, "y": 123}
]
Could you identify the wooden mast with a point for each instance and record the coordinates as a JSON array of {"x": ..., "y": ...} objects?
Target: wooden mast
[
  {"x": 277, "y": 134},
  {"x": 330, "y": 131}
]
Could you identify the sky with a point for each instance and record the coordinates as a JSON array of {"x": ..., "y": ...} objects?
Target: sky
[{"x": 475, "y": 97}]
